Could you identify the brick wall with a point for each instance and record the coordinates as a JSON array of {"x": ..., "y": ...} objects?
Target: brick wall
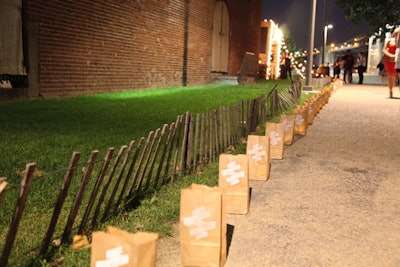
[
  {"x": 92, "y": 46},
  {"x": 245, "y": 34}
]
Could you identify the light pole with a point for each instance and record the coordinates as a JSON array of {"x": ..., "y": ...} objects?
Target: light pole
[
  {"x": 326, "y": 27},
  {"x": 308, "y": 86}
]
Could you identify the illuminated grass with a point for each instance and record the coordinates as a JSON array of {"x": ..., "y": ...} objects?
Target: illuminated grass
[{"x": 48, "y": 131}]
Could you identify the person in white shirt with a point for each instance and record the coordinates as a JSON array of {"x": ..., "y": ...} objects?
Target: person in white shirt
[{"x": 362, "y": 66}]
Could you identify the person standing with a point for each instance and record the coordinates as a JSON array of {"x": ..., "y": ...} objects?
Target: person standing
[
  {"x": 336, "y": 69},
  {"x": 397, "y": 59},
  {"x": 348, "y": 59},
  {"x": 382, "y": 71},
  {"x": 362, "y": 66},
  {"x": 283, "y": 66},
  {"x": 389, "y": 50},
  {"x": 288, "y": 65}
]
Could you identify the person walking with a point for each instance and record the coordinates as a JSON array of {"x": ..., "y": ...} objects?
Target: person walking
[
  {"x": 348, "y": 59},
  {"x": 362, "y": 66},
  {"x": 389, "y": 50},
  {"x": 382, "y": 71}
]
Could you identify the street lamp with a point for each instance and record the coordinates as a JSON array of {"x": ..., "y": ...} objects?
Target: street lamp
[
  {"x": 308, "y": 86},
  {"x": 326, "y": 27}
]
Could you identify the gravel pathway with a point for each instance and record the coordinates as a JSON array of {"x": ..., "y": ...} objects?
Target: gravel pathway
[{"x": 333, "y": 200}]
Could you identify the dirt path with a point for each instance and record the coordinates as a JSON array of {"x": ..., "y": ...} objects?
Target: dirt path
[{"x": 334, "y": 200}]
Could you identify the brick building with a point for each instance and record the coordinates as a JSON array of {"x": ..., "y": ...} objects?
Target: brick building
[{"x": 73, "y": 47}]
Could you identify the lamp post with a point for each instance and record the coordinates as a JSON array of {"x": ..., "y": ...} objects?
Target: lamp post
[
  {"x": 308, "y": 86},
  {"x": 326, "y": 27}
]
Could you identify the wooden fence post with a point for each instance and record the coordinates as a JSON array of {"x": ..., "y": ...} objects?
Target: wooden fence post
[
  {"x": 143, "y": 161},
  {"x": 190, "y": 146},
  {"x": 206, "y": 138},
  {"x": 109, "y": 179},
  {"x": 228, "y": 117},
  {"x": 60, "y": 202},
  {"x": 155, "y": 156},
  {"x": 225, "y": 123},
  {"x": 242, "y": 118},
  {"x": 136, "y": 177},
  {"x": 263, "y": 110},
  {"x": 209, "y": 136},
  {"x": 135, "y": 158},
  {"x": 119, "y": 179},
  {"x": 221, "y": 127},
  {"x": 185, "y": 140},
  {"x": 164, "y": 154},
  {"x": 129, "y": 173},
  {"x": 23, "y": 196},
  {"x": 196, "y": 143},
  {"x": 201, "y": 152},
  {"x": 273, "y": 102},
  {"x": 177, "y": 169},
  {"x": 169, "y": 147},
  {"x": 216, "y": 132},
  {"x": 78, "y": 198},
  {"x": 248, "y": 117},
  {"x": 95, "y": 190}
]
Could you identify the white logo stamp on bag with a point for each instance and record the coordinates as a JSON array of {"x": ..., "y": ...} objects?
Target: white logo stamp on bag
[
  {"x": 274, "y": 138},
  {"x": 299, "y": 119},
  {"x": 257, "y": 152},
  {"x": 201, "y": 227},
  {"x": 232, "y": 173},
  {"x": 287, "y": 125},
  {"x": 114, "y": 257}
]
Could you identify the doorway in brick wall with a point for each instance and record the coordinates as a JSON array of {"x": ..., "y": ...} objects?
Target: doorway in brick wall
[{"x": 220, "y": 40}]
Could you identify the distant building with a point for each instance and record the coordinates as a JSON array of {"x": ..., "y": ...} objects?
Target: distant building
[
  {"x": 64, "y": 48},
  {"x": 270, "y": 50}
]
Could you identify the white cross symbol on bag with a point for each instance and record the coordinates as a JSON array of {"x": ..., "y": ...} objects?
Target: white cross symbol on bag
[
  {"x": 257, "y": 152},
  {"x": 202, "y": 227},
  {"x": 232, "y": 173}
]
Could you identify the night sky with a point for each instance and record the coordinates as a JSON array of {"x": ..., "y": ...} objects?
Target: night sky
[{"x": 296, "y": 15}]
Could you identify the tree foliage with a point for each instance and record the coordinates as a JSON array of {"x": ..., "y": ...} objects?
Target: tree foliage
[
  {"x": 377, "y": 13},
  {"x": 290, "y": 44}
]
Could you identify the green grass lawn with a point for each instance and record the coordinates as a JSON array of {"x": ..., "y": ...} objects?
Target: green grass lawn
[{"x": 48, "y": 131}]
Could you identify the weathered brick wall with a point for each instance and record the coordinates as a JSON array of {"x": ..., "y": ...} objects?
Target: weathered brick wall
[
  {"x": 91, "y": 46},
  {"x": 245, "y": 34}
]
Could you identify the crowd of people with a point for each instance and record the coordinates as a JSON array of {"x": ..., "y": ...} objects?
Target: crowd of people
[
  {"x": 389, "y": 65},
  {"x": 344, "y": 65}
]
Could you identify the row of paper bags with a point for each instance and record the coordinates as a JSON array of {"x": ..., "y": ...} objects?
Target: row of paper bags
[{"x": 203, "y": 209}]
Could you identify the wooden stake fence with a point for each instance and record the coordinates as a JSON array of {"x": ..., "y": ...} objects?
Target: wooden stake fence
[{"x": 141, "y": 168}]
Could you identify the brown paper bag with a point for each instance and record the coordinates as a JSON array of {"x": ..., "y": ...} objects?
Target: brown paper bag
[
  {"x": 203, "y": 226},
  {"x": 275, "y": 131},
  {"x": 312, "y": 110},
  {"x": 301, "y": 120},
  {"x": 288, "y": 127},
  {"x": 120, "y": 248},
  {"x": 234, "y": 178},
  {"x": 259, "y": 157}
]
